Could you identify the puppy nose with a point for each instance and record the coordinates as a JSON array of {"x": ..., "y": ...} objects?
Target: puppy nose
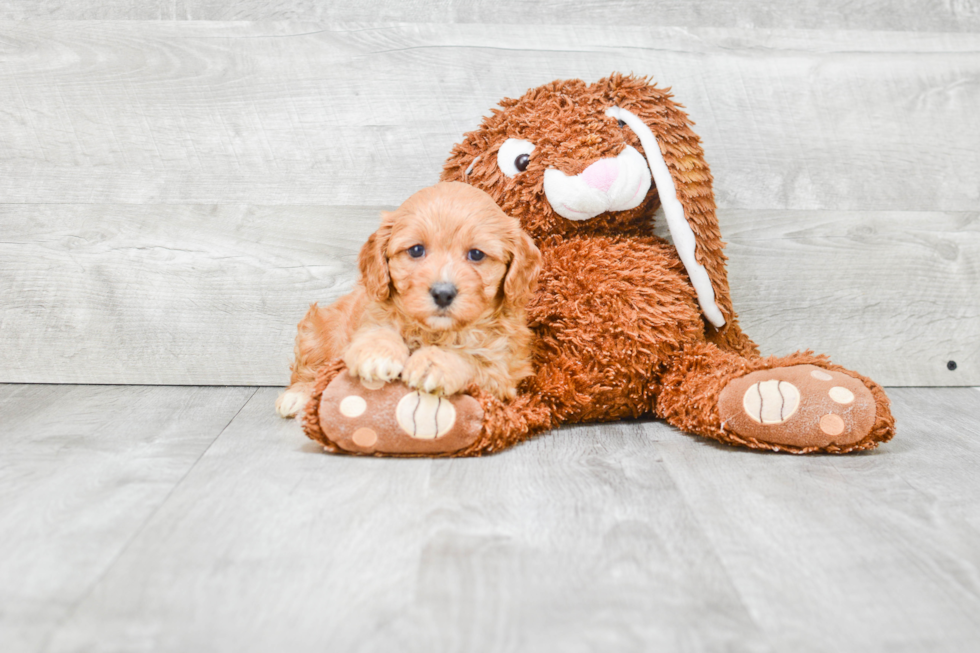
[{"x": 443, "y": 294}]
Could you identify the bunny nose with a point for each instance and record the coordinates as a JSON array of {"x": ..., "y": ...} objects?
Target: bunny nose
[{"x": 601, "y": 174}]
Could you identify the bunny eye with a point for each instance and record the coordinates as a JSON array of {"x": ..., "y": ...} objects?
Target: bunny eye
[{"x": 514, "y": 156}]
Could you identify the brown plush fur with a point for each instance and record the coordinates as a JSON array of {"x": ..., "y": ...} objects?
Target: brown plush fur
[
  {"x": 566, "y": 121},
  {"x": 618, "y": 331},
  {"x": 618, "y": 328},
  {"x": 391, "y": 327}
]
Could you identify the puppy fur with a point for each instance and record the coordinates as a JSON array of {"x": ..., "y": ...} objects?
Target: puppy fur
[{"x": 391, "y": 326}]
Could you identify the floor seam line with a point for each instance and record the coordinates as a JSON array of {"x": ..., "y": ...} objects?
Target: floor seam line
[
  {"x": 95, "y": 583},
  {"x": 739, "y": 593}
]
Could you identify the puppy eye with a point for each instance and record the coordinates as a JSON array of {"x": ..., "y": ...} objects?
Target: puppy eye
[
  {"x": 514, "y": 156},
  {"x": 475, "y": 255},
  {"x": 622, "y": 123},
  {"x": 416, "y": 251}
]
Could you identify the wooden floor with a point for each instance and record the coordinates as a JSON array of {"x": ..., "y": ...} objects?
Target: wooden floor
[
  {"x": 192, "y": 519},
  {"x": 179, "y": 179}
]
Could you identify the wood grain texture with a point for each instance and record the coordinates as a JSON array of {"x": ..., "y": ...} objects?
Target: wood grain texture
[
  {"x": 142, "y": 164},
  {"x": 271, "y": 113},
  {"x": 211, "y": 295},
  {"x": 82, "y": 470},
  {"x": 167, "y": 294},
  {"x": 893, "y": 295},
  {"x": 627, "y": 537},
  {"x": 922, "y": 15},
  {"x": 874, "y": 552},
  {"x": 574, "y": 544}
]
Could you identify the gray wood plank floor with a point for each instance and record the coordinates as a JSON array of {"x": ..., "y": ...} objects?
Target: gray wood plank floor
[{"x": 192, "y": 519}]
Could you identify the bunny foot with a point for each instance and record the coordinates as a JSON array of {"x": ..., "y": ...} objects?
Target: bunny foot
[
  {"x": 801, "y": 406},
  {"x": 373, "y": 417}
]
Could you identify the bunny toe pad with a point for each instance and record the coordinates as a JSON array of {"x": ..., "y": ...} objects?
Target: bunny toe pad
[
  {"x": 393, "y": 419},
  {"x": 802, "y": 406}
]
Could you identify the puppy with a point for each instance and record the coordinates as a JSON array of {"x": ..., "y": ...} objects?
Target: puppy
[{"x": 440, "y": 302}]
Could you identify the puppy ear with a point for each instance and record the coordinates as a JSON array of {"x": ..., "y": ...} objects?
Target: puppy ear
[
  {"x": 373, "y": 260},
  {"x": 522, "y": 273}
]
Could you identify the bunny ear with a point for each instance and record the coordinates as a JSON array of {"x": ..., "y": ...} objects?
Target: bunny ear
[
  {"x": 681, "y": 227},
  {"x": 683, "y": 181}
]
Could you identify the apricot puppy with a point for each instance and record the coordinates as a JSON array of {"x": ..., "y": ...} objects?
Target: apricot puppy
[{"x": 440, "y": 303}]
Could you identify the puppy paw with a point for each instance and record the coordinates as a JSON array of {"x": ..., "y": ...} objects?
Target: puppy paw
[
  {"x": 292, "y": 401},
  {"x": 381, "y": 360},
  {"x": 436, "y": 371}
]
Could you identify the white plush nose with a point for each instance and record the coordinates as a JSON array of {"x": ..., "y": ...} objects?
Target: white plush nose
[
  {"x": 616, "y": 183},
  {"x": 601, "y": 174}
]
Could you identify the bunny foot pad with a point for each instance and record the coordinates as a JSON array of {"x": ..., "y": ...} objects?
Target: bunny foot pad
[
  {"x": 391, "y": 418},
  {"x": 800, "y": 406}
]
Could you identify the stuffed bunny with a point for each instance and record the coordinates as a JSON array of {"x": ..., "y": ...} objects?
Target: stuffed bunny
[{"x": 625, "y": 323}]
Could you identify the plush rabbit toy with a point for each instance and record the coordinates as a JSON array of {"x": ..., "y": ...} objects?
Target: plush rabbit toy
[{"x": 625, "y": 322}]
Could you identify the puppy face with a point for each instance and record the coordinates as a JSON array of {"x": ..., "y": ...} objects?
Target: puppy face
[{"x": 448, "y": 256}]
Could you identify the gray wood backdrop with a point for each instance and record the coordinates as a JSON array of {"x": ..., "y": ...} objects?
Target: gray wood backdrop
[{"x": 178, "y": 180}]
